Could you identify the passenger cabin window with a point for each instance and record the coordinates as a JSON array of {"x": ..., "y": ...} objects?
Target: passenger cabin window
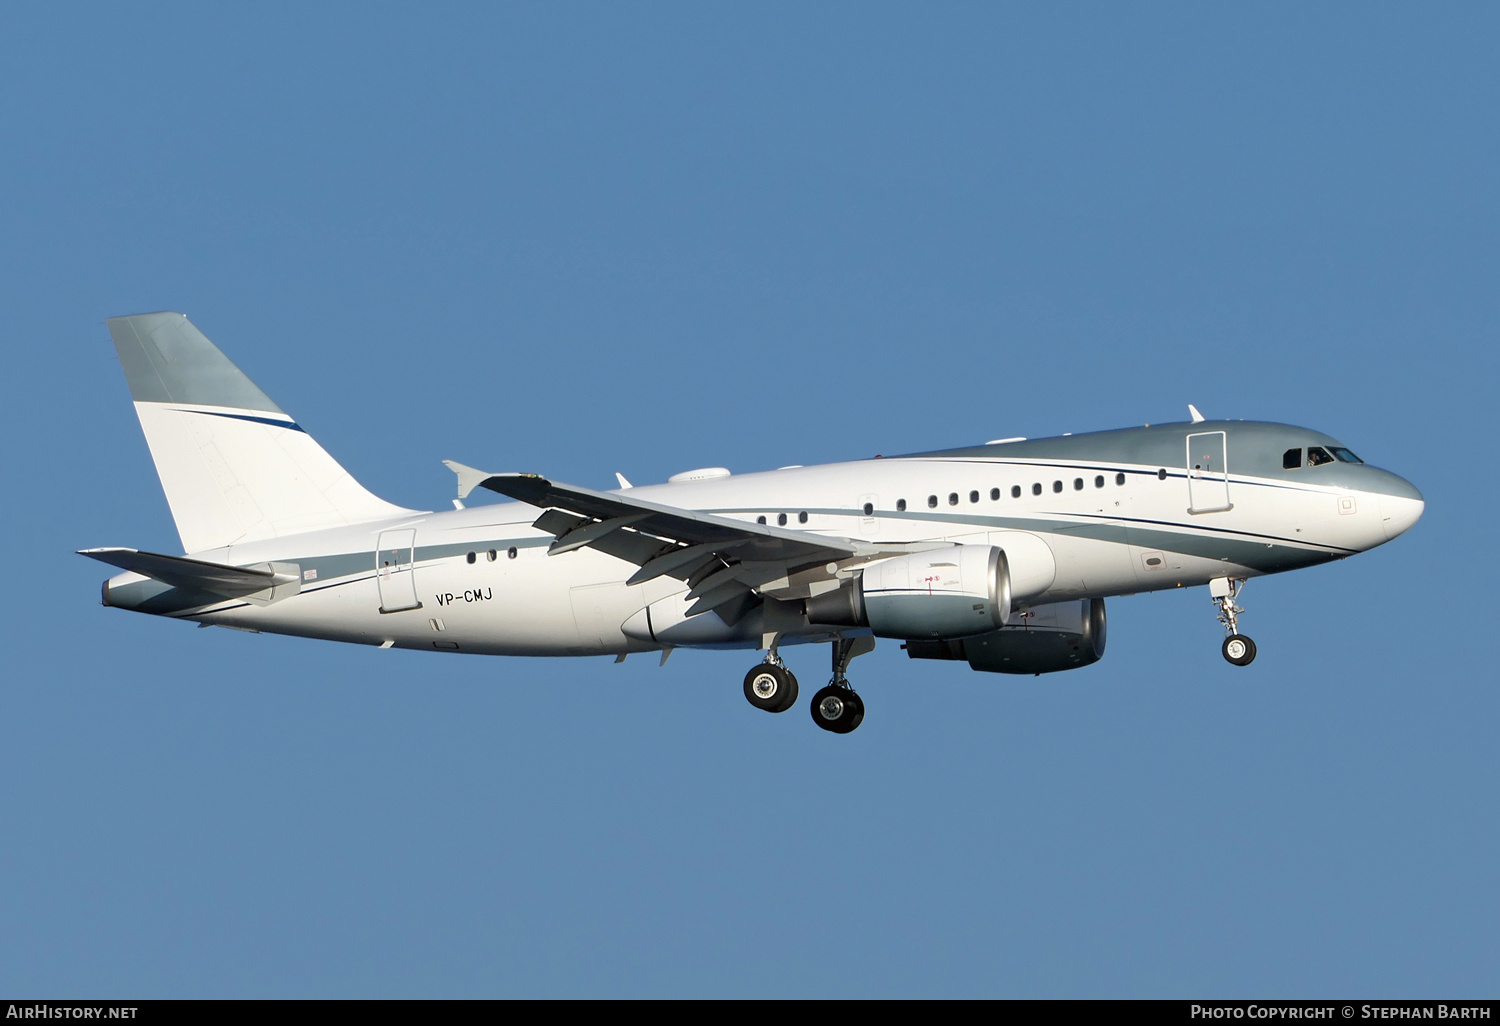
[
  {"x": 1344, "y": 455},
  {"x": 802, "y": 517},
  {"x": 1120, "y": 479},
  {"x": 470, "y": 557},
  {"x": 781, "y": 519},
  {"x": 1057, "y": 486},
  {"x": 953, "y": 498},
  {"x": 1317, "y": 456},
  {"x": 973, "y": 496},
  {"x": 1161, "y": 475},
  {"x": 1015, "y": 491},
  {"x": 869, "y": 509},
  {"x": 1036, "y": 489},
  {"x": 994, "y": 495},
  {"x": 932, "y": 502},
  {"x": 1291, "y": 459},
  {"x": 1099, "y": 481},
  {"x": 1078, "y": 484},
  {"x": 511, "y": 552},
  {"x": 493, "y": 555},
  {"x": 900, "y": 505},
  {"x": 760, "y": 520}
]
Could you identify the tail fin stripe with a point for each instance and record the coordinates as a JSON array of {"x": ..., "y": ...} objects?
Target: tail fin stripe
[{"x": 290, "y": 425}]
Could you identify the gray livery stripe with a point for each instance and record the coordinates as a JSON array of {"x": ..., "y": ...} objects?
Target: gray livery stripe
[
  {"x": 1246, "y": 482},
  {"x": 1253, "y": 448},
  {"x": 337, "y": 570},
  {"x": 167, "y": 360},
  {"x": 1046, "y": 525}
]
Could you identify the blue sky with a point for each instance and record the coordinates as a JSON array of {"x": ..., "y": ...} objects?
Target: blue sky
[{"x": 581, "y": 239}]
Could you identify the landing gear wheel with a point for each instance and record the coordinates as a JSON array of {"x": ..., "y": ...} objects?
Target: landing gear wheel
[
  {"x": 1239, "y": 650},
  {"x": 770, "y": 687},
  {"x": 791, "y": 692},
  {"x": 837, "y": 709}
]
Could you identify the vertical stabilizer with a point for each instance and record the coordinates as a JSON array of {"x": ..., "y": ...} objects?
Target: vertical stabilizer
[{"x": 234, "y": 465}]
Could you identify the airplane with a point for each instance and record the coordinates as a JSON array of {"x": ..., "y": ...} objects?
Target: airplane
[{"x": 1000, "y": 554}]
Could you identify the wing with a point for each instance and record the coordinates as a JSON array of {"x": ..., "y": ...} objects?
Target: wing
[{"x": 725, "y": 562}]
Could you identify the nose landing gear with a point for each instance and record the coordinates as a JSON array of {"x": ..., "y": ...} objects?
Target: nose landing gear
[{"x": 1238, "y": 649}]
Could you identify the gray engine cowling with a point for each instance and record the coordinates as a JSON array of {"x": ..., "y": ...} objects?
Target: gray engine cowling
[
  {"x": 1045, "y": 639},
  {"x": 956, "y": 592}
]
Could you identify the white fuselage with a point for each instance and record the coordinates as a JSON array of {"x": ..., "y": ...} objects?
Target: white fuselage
[{"x": 485, "y": 583}]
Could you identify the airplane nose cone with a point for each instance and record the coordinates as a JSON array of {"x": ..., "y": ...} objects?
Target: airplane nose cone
[{"x": 1399, "y": 512}]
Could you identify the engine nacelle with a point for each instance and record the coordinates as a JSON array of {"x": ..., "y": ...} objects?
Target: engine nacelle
[
  {"x": 946, "y": 593},
  {"x": 1045, "y": 639}
]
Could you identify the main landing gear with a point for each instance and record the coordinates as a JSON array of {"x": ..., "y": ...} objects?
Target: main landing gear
[
  {"x": 1238, "y": 649},
  {"x": 836, "y": 708},
  {"x": 771, "y": 686}
]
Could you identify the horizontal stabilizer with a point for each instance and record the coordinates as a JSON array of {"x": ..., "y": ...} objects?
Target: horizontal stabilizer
[{"x": 268, "y": 581}]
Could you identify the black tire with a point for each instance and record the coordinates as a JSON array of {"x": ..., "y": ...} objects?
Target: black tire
[
  {"x": 857, "y": 713},
  {"x": 791, "y": 692},
  {"x": 1239, "y": 650},
  {"x": 841, "y": 715},
  {"x": 767, "y": 687}
]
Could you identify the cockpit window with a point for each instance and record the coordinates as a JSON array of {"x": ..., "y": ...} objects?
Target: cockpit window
[
  {"x": 1344, "y": 455},
  {"x": 1317, "y": 456},
  {"x": 1291, "y": 459}
]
